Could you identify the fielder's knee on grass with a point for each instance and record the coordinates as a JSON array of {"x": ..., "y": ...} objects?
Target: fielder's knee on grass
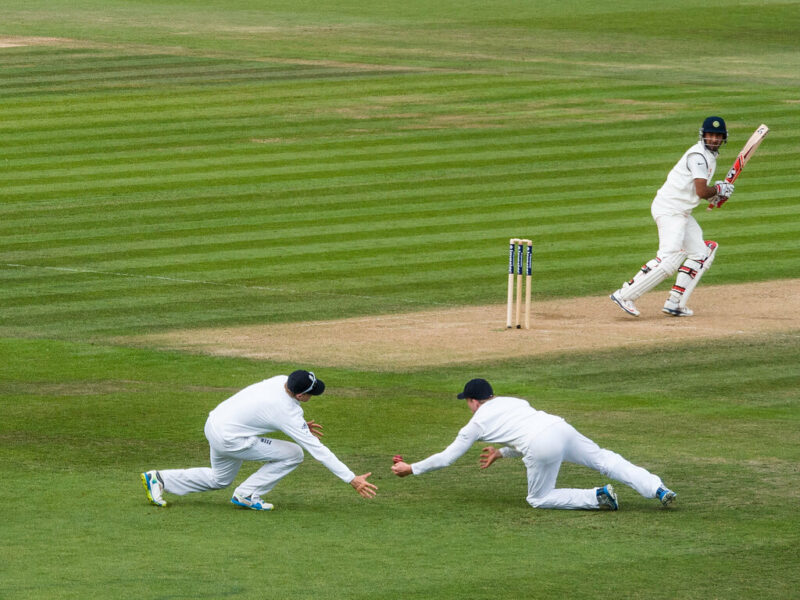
[{"x": 538, "y": 502}]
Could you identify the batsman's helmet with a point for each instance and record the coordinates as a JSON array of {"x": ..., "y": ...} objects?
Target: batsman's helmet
[{"x": 714, "y": 125}]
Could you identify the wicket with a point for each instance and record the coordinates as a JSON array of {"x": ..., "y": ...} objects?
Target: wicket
[{"x": 516, "y": 246}]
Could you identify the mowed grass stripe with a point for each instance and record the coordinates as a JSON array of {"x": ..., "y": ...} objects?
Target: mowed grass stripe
[
  {"x": 364, "y": 161},
  {"x": 410, "y": 153},
  {"x": 318, "y": 122},
  {"x": 297, "y": 148},
  {"x": 228, "y": 252},
  {"x": 572, "y": 212},
  {"x": 539, "y": 194},
  {"x": 424, "y": 92},
  {"x": 402, "y": 142},
  {"x": 303, "y": 179},
  {"x": 178, "y": 76},
  {"x": 352, "y": 271},
  {"x": 197, "y": 132},
  {"x": 380, "y": 88},
  {"x": 274, "y": 255},
  {"x": 342, "y": 165},
  {"x": 322, "y": 194},
  {"x": 235, "y": 218}
]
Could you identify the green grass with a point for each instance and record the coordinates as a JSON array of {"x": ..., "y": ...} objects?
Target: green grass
[
  {"x": 81, "y": 428},
  {"x": 169, "y": 166},
  {"x": 182, "y": 164}
]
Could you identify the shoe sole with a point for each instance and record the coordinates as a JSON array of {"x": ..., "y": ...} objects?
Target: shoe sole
[
  {"x": 675, "y": 313},
  {"x": 616, "y": 301},
  {"x": 609, "y": 493},
  {"x": 243, "y": 505},
  {"x": 149, "y": 491},
  {"x": 668, "y": 498}
]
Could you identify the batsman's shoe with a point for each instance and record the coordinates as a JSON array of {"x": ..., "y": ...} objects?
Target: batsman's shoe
[
  {"x": 253, "y": 502},
  {"x": 626, "y": 305},
  {"x": 676, "y": 310},
  {"x": 665, "y": 495},
  {"x": 154, "y": 486},
  {"x": 606, "y": 498}
]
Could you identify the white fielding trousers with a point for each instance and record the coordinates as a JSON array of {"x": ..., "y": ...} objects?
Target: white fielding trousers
[
  {"x": 562, "y": 442},
  {"x": 280, "y": 458}
]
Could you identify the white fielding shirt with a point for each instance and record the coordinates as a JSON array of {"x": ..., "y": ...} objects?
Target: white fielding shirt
[
  {"x": 678, "y": 194},
  {"x": 264, "y": 407},
  {"x": 501, "y": 420}
]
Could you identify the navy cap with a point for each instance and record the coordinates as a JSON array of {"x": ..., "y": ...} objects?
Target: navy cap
[
  {"x": 305, "y": 382},
  {"x": 478, "y": 389}
]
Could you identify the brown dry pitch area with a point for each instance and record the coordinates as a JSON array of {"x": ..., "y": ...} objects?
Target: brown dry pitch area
[{"x": 476, "y": 334}]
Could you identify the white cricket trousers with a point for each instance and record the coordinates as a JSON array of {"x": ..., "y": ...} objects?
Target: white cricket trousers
[
  {"x": 280, "y": 458},
  {"x": 679, "y": 236},
  {"x": 562, "y": 442}
]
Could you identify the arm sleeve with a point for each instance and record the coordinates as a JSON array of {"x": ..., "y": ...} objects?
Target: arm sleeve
[
  {"x": 509, "y": 452},
  {"x": 468, "y": 435},
  {"x": 697, "y": 165},
  {"x": 319, "y": 451}
]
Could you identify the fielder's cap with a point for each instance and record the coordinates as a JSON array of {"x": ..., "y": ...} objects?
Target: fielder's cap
[
  {"x": 479, "y": 389},
  {"x": 305, "y": 382}
]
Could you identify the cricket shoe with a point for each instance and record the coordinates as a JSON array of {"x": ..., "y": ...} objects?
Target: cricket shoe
[
  {"x": 626, "y": 305},
  {"x": 253, "y": 502},
  {"x": 154, "y": 486},
  {"x": 606, "y": 498},
  {"x": 676, "y": 310},
  {"x": 665, "y": 495}
]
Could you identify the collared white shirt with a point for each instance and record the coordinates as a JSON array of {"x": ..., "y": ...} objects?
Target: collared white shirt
[
  {"x": 264, "y": 407},
  {"x": 512, "y": 422},
  {"x": 678, "y": 192}
]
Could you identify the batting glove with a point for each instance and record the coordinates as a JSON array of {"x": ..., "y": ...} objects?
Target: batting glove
[{"x": 724, "y": 189}]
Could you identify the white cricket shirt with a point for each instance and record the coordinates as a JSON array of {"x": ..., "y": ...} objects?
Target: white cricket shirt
[
  {"x": 264, "y": 407},
  {"x": 503, "y": 420},
  {"x": 678, "y": 193}
]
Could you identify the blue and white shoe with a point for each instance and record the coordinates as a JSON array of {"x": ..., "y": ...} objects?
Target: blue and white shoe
[
  {"x": 253, "y": 502},
  {"x": 154, "y": 486},
  {"x": 676, "y": 310},
  {"x": 665, "y": 495},
  {"x": 606, "y": 498},
  {"x": 627, "y": 305}
]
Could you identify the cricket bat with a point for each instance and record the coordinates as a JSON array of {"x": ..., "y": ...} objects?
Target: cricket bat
[{"x": 744, "y": 156}]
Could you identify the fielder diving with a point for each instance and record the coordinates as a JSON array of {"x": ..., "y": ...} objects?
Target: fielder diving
[
  {"x": 681, "y": 247},
  {"x": 543, "y": 441}
]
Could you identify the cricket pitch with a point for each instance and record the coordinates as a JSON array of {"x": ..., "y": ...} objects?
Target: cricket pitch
[{"x": 477, "y": 334}]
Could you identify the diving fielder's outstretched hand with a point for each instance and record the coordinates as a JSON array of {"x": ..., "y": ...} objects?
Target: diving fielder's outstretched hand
[
  {"x": 364, "y": 487},
  {"x": 401, "y": 468},
  {"x": 489, "y": 455},
  {"x": 315, "y": 428}
]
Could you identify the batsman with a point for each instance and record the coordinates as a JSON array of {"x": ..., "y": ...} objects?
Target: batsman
[{"x": 681, "y": 247}]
